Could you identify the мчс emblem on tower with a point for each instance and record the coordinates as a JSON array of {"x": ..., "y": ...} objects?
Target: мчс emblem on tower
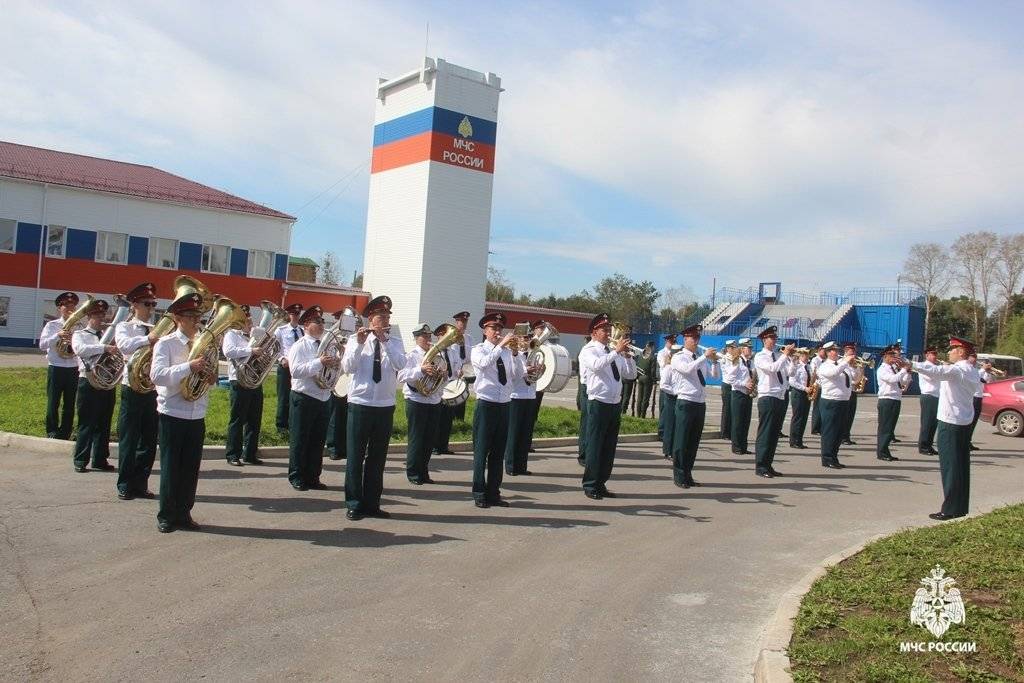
[
  {"x": 465, "y": 127},
  {"x": 938, "y": 605}
]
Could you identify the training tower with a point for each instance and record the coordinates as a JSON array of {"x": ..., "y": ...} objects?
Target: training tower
[{"x": 429, "y": 216}]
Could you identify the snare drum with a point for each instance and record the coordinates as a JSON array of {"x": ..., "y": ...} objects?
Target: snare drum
[
  {"x": 455, "y": 393},
  {"x": 557, "y": 368}
]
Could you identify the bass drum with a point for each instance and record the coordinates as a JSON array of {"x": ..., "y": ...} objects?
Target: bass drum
[
  {"x": 557, "y": 368},
  {"x": 342, "y": 386},
  {"x": 455, "y": 392}
]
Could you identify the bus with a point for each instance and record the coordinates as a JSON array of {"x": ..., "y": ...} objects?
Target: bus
[{"x": 1011, "y": 365}]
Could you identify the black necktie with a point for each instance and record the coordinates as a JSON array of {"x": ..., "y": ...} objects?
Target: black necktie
[
  {"x": 777, "y": 373},
  {"x": 845, "y": 376},
  {"x": 615, "y": 369},
  {"x": 295, "y": 334},
  {"x": 376, "y": 360},
  {"x": 462, "y": 352},
  {"x": 700, "y": 375},
  {"x": 502, "y": 377},
  {"x": 448, "y": 363},
  {"x": 97, "y": 333},
  {"x": 316, "y": 343}
]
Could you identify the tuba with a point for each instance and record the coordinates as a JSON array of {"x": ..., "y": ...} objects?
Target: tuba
[
  {"x": 206, "y": 345},
  {"x": 138, "y": 364},
  {"x": 333, "y": 344},
  {"x": 256, "y": 367},
  {"x": 72, "y": 324},
  {"x": 106, "y": 372},
  {"x": 428, "y": 384},
  {"x": 535, "y": 357}
]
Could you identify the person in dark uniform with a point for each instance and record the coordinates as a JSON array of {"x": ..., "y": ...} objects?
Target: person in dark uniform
[
  {"x": 690, "y": 369},
  {"x": 137, "y": 419},
  {"x": 772, "y": 385},
  {"x": 61, "y": 372},
  {"x": 819, "y": 357},
  {"x": 246, "y": 415},
  {"x": 892, "y": 380},
  {"x": 799, "y": 385},
  {"x": 95, "y": 406},
  {"x": 725, "y": 428},
  {"x": 666, "y": 399},
  {"x": 421, "y": 409},
  {"x": 182, "y": 422},
  {"x": 835, "y": 384},
  {"x": 287, "y": 335},
  {"x": 929, "y": 404},
  {"x": 309, "y": 405},
  {"x": 856, "y": 373},
  {"x": 956, "y": 411},
  {"x": 461, "y": 321},
  {"x": 538, "y": 328},
  {"x": 646, "y": 372},
  {"x": 520, "y": 417},
  {"x": 581, "y": 406},
  {"x": 457, "y": 357},
  {"x": 337, "y": 426}
]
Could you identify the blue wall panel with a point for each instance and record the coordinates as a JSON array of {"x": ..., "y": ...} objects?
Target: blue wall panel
[
  {"x": 190, "y": 255},
  {"x": 29, "y": 238},
  {"x": 239, "y": 261},
  {"x": 138, "y": 250},
  {"x": 280, "y": 266},
  {"x": 81, "y": 244}
]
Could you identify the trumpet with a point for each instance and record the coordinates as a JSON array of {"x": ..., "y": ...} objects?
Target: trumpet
[{"x": 992, "y": 370}]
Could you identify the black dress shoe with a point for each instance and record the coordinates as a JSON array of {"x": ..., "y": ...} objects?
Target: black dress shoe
[
  {"x": 333, "y": 456},
  {"x": 605, "y": 493},
  {"x": 801, "y": 446},
  {"x": 427, "y": 480},
  {"x": 164, "y": 527},
  {"x": 354, "y": 515},
  {"x": 235, "y": 461},
  {"x": 834, "y": 466},
  {"x": 774, "y": 472},
  {"x": 416, "y": 482},
  {"x": 746, "y": 452},
  {"x": 895, "y": 440},
  {"x": 974, "y": 448},
  {"x": 125, "y": 495},
  {"x": 144, "y": 494},
  {"x": 888, "y": 458},
  {"x": 526, "y": 473},
  {"x": 942, "y": 516},
  {"x": 189, "y": 525},
  {"x": 531, "y": 449},
  {"x": 510, "y": 473},
  {"x": 736, "y": 451},
  {"x": 932, "y": 451},
  {"x": 499, "y": 503},
  {"x": 766, "y": 475},
  {"x": 81, "y": 468},
  {"x": 318, "y": 485},
  {"x": 252, "y": 461},
  {"x": 378, "y": 514},
  {"x": 446, "y": 451},
  {"x": 582, "y": 462},
  {"x": 848, "y": 442},
  {"x": 481, "y": 503},
  {"x": 105, "y": 467},
  {"x": 594, "y": 495},
  {"x": 300, "y": 487}
]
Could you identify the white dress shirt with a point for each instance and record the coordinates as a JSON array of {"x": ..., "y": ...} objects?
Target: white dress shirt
[
  {"x": 686, "y": 382},
  {"x": 833, "y": 376},
  {"x": 521, "y": 388},
  {"x": 730, "y": 370},
  {"x": 305, "y": 365},
  {"x": 358, "y": 362},
  {"x": 601, "y": 383},
  {"x": 925, "y": 383},
  {"x": 455, "y": 363},
  {"x": 412, "y": 373},
  {"x": 130, "y": 336},
  {"x": 770, "y": 366},
  {"x": 665, "y": 368},
  {"x": 743, "y": 374},
  {"x": 168, "y": 369},
  {"x": 237, "y": 349},
  {"x": 87, "y": 347},
  {"x": 890, "y": 381},
  {"x": 485, "y": 357},
  {"x": 48, "y": 343},
  {"x": 799, "y": 375},
  {"x": 461, "y": 354},
  {"x": 956, "y": 395},
  {"x": 983, "y": 379},
  {"x": 286, "y": 335}
]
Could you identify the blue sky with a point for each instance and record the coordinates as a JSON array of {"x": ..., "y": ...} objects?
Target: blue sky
[{"x": 810, "y": 143}]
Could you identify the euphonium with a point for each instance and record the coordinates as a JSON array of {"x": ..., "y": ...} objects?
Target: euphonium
[
  {"x": 206, "y": 345},
  {"x": 332, "y": 344},
  {"x": 535, "y": 365},
  {"x": 428, "y": 384},
  {"x": 106, "y": 372},
  {"x": 63, "y": 348},
  {"x": 257, "y": 366},
  {"x": 138, "y": 364}
]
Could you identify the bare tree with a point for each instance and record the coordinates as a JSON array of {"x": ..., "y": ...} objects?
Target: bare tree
[
  {"x": 676, "y": 298},
  {"x": 1009, "y": 273},
  {"x": 977, "y": 255},
  {"x": 928, "y": 267},
  {"x": 329, "y": 268}
]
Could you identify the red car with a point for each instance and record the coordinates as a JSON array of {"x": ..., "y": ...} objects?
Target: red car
[{"x": 1003, "y": 406}]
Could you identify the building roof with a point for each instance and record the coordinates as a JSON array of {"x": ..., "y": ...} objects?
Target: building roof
[
  {"x": 518, "y": 308},
  {"x": 301, "y": 261},
  {"x": 91, "y": 173}
]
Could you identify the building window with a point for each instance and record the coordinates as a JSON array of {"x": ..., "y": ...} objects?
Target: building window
[
  {"x": 56, "y": 239},
  {"x": 261, "y": 264},
  {"x": 163, "y": 253},
  {"x": 111, "y": 247},
  {"x": 8, "y": 230},
  {"x": 215, "y": 258}
]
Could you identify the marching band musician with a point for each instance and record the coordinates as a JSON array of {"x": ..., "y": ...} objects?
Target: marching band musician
[
  {"x": 538, "y": 329},
  {"x": 495, "y": 364},
  {"x": 799, "y": 386},
  {"x": 520, "y": 419},
  {"x": 667, "y": 399},
  {"x": 287, "y": 335},
  {"x": 725, "y": 431},
  {"x": 892, "y": 377},
  {"x": 337, "y": 425},
  {"x": 856, "y": 373},
  {"x": 581, "y": 406},
  {"x": 834, "y": 393},
  {"x": 137, "y": 418},
  {"x": 646, "y": 370},
  {"x": 374, "y": 368},
  {"x": 984, "y": 377},
  {"x": 819, "y": 358},
  {"x": 95, "y": 406},
  {"x": 246, "y": 404},
  {"x": 928, "y": 403},
  {"x": 61, "y": 373},
  {"x": 182, "y": 422},
  {"x": 461, "y": 322},
  {"x": 421, "y": 410},
  {"x": 743, "y": 384},
  {"x": 772, "y": 385},
  {"x": 688, "y": 370},
  {"x": 605, "y": 370},
  {"x": 958, "y": 381},
  {"x": 456, "y": 360},
  {"x": 308, "y": 415}
]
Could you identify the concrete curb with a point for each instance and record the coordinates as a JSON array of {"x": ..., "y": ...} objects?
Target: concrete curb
[
  {"x": 773, "y": 665},
  {"x": 45, "y": 446}
]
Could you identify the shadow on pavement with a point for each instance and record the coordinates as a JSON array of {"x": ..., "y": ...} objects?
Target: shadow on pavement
[{"x": 333, "y": 538}]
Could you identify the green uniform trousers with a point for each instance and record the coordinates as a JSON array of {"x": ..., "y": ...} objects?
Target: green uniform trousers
[
  {"x": 369, "y": 433},
  {"x": 798, "y": 424},
  {"x": 929, "y": 406},
  {"x": 603, "y": 421},
  {"x": 136, "y": 446},
  {"x": 520, "y": 433},
  {"x": 61, "y": 387},
  {"x": 667, "y": 422},
  {"x": 95, "y": 411},
  {"x": 284, "y": 390},
  {"x": 771, "y": 412},
  {"x": 244, "y": 422},
  {"x": 490, "y": 436},
  {"x": 888, "y": 416},
  {"x": 627, "y": 394},
  {"x": 422, "y": 418},
  {"x": 308, "y": 419},
  {"x": 536, "y": 413},
  {"x": 337, "y": 426},
  {"x": 725, "y": 429},
  {"x": 582, "y": 403},
  {"x": 742, "y": 407},
  {"x": 833, "y": 416},
  {"x": 443, "y": 434},
  {"x": 181, "y": 452},
  {"x": 974, "y": 421},
  {"x": 954, "y": 446},
  {"x": 816, "y": 416},
  {"x": 644, "y": 388},
  {"x": 851, "y": 413},
  {"x": 686, "y": 433}
]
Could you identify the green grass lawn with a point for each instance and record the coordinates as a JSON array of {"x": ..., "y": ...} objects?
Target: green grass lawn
[
  {"x": 853, "y": 619},
  {"x": 23, "y": 407}
]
